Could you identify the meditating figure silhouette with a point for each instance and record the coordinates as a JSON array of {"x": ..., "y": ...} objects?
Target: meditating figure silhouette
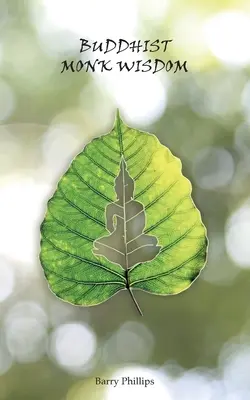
[{"x": 126, "y": 245}]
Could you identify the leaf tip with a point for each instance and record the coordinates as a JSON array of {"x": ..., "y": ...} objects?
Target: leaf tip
[
  {"x": 118, "y": 113},
  {"x": 118, "y": 119}
]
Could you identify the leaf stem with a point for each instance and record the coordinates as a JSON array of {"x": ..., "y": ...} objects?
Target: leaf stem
[{"x": 134, "y": 300}]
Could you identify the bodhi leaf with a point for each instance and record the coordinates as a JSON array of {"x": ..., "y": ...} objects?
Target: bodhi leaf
[{"x": 122, "y": 218}]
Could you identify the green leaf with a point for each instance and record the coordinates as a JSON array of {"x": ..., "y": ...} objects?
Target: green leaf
[{"x": 122, "y": 218}]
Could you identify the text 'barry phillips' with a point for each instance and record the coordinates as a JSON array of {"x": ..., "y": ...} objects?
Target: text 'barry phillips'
[{"x": 125, "y": 380}]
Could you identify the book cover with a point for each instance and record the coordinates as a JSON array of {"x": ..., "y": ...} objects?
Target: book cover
[{"x": 124, "y": 200}]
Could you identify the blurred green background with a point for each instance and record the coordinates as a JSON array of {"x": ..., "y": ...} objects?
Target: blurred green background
[{"x": 196, "y": 345}]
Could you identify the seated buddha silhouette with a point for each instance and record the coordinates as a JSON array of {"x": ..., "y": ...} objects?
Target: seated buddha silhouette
[{"x": 126, "y": 245}]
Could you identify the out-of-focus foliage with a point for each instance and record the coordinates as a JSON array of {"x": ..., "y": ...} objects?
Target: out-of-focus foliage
[{"x": 196, "y": 344}]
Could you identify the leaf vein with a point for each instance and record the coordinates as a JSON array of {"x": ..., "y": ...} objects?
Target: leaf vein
[
  {"x": 137, "y": 150},
  {"x": 149, "y": 186},
  {"x": 108, "y": 158},
  {"x": 170, "y": 271},
  {"x": 109, "y": 146},
  {"x": 160, "y": 195},
  {"x": 85, "y": 260},
  {"x": 145, "y": 167},
  {"x": 96, "y": 191},
  {"x": 166, "y": 217},
  {"x": 70, "y": 229},
  {"x": 81, "y": 282},
  {"x": 80, "y": 209},
  {"x": 131, "y": 143},
  {"x": 112, "y": 248},
  {"x": 140, "y": 247},
  {"x": 98, "y": 165},
  {"x": 179, "y": 239}
]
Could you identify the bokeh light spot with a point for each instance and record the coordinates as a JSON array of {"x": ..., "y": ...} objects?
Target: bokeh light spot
[
  {"x": 26, "y": 332},
  {"x": 158, "y": 390},
  {"x": 21, "y": 201},
  {"x": 73, "y": 345},
  {"x": 213, "y": 168},
  {"x": 227, "y": 35},
  {"x": 237, "y": 236},
  {"x": 7, "y": 280}
]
